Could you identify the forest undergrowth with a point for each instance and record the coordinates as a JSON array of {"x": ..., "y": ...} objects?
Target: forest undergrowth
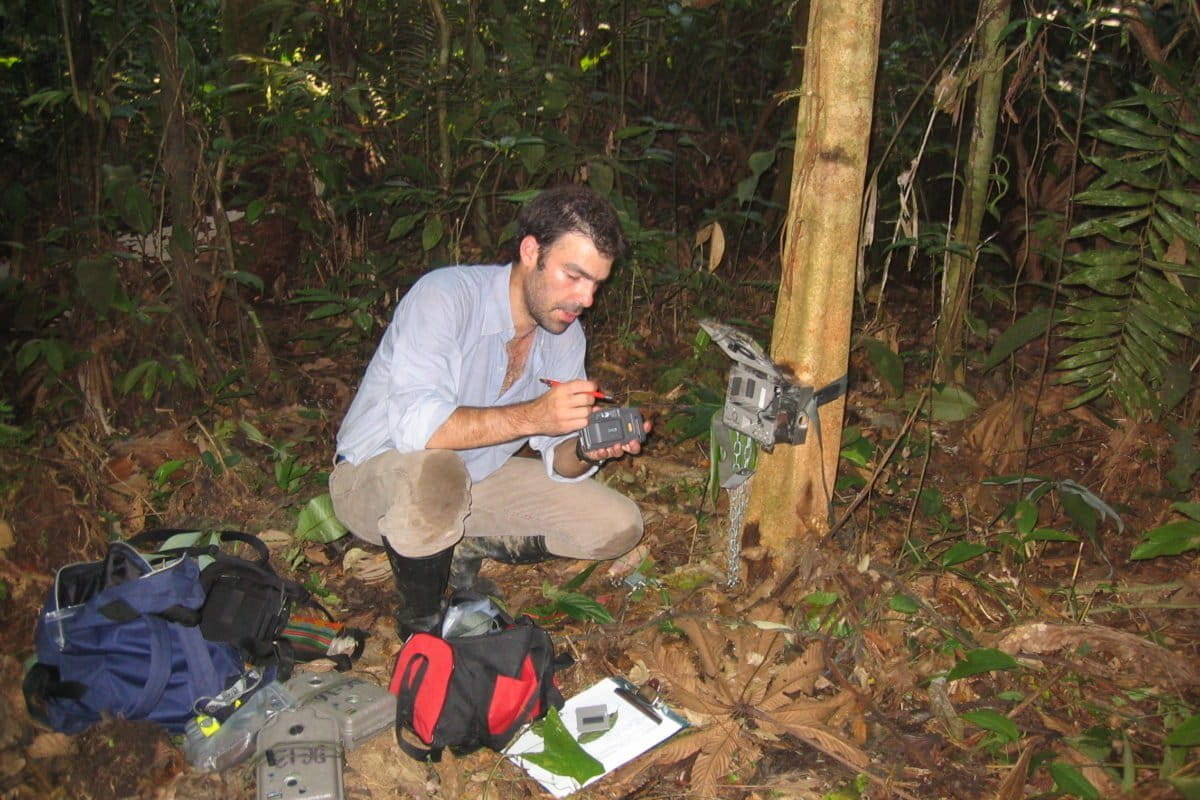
[{"x": 960, "y": 634}]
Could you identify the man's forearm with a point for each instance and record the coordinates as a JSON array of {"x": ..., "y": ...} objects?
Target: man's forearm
[
  {"x": 566, "y": 462},
  {"x": 470, "y": 427}
]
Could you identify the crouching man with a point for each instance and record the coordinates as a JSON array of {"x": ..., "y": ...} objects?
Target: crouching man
[{"x": 425, "y": 462}]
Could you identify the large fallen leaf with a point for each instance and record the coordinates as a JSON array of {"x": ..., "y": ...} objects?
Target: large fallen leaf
[
  {"x": 318, "y": 523},
  {"x": 1124, "y": 658},
  {"x": 51, "y": 745},
  {"x": 560, "y": 753}
]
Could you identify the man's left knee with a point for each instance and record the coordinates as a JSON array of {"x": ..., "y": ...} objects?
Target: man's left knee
[{"x": 623, "y": 534}]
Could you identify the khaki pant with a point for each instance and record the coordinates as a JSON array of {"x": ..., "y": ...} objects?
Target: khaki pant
[{"x": 423, "y": 502}]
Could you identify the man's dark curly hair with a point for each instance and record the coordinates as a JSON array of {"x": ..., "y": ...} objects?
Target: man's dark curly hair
[{"x": 571, "y": 209}]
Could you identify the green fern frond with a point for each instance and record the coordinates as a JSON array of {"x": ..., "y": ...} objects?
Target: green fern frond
[{"x": 1131, "y": 297}]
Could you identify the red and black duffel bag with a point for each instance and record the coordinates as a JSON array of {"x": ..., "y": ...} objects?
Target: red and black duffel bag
[{"x": 472, "y": 691}]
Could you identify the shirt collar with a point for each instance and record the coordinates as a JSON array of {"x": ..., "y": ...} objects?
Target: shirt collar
[{"x": 497, "y": 314}]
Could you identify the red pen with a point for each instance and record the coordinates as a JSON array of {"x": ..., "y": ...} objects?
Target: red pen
[{"x": 597, "y": 395}]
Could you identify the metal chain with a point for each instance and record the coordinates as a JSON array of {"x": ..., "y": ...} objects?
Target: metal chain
[{"x": 738, "y": 496}]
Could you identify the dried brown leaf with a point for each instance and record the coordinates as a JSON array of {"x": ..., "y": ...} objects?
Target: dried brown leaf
[
  {"x": 810, "y": 712},
  {"x": 682, "y": 746},
  {"x": 686, "y": 688},
  {"x": 831, "y": 745},
  {"x": 801, "y": 674},
  {"x": 1013, "y": 785},
  {"x": 50, "y": 745},
  {"x": 714, "y": 763},
  {"x": 706, "y": 644},
  {"x": 1121, "y": 656}
]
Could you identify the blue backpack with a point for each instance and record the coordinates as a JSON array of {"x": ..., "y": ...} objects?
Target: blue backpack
[{"x": 121, "y": 638}]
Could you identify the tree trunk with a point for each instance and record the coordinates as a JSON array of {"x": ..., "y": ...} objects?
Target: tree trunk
[
  {"x": 959, "y": 276},
  {"x": 792, "y": 490},
  {"x": 244, "y": 29},
  {"x": 180, "y": 160}
]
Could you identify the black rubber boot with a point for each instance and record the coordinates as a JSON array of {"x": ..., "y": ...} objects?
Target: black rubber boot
[
  {"x": 421, "y": 584},
  {"x": 472, "y": 550}
]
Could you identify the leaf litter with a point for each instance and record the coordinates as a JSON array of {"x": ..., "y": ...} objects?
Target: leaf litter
[{"x": 784, "y": 695}]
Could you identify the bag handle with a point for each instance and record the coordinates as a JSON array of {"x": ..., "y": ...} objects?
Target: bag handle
[
  {"x": 160, "y": 535},
  {"x": 406, "y": 696},
  {"x": 159, "y": 672}
]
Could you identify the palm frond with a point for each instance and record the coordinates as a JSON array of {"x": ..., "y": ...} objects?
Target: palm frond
[{"x": 1129, "y": 309}]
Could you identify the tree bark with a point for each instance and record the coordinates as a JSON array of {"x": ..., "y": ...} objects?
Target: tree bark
[
  {"x": 180, "y": 160},
  {"x": 959, "y": 276},
  {"x": 244, "y": 30},
  {"x": 792, "y": 489}
]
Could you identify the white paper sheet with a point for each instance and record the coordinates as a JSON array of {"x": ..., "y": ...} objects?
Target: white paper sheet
[{"x": 633, "y": 733}]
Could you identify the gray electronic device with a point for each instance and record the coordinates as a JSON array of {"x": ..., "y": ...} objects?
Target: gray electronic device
[
  {"x": 609, "y": 426},
  {"x": 210, "y": 746},
  {"x": 300, "y": 756},
  {"x": 361, "y": 708},
  {"x": 762, "y": 399}
]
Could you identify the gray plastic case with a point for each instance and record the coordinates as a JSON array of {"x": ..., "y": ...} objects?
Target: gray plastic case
[
  {"x": 362, "y": 709},
  {"x": 300, "y": 756}
]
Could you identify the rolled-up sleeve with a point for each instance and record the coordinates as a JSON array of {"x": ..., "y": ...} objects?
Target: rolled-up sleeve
[{"x": 424, "y": 369}]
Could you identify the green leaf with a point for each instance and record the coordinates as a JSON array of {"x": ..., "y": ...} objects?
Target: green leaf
[
  {"x": 601, "y": 177},
  {"x": 1114, "y": 198},
  {"x": 581, "y": 607},
  {"x": 1187, "y": 786},
  {"x": 252, "y": 433},
  {"x": 1050, "y": 535},
  {"x": 560, "y": 753},
  {"x": 761, "y": 161},
  {"x": 1101, "y": 277},
  {"x": 136, "y": 374},
  {"x": 317, "y": 522},
  {"x": 1021, "y": 332},
  {"x": 583, "y": 575},
  {"x": 433, "y": 232},
  {"x": 960, "y": 552},
  {"x": 993, "y": 721},
  {"x": 1113, "y": 257},
  {"x": 245, "y": 278},
  {"x": 135, "y": 209},
  {"x": 859, "y": 451},
  {"x": 1069, "y": 779},
  {"x": 1127, "y": 138},
  {"x": 1180, "y": 224},
  {"x": 979, "y": 661},
  {"x": 1188, "y": 509},
  {"x": 1080, "y": 512},
  {"x": 1186, "y": 733},
  {"x": 1184, "y": 454},
  {"x": 1025, "y": 516},
  {"x": 166, "y": 470},
  {"x": 254, "y": 210},
  {"x": 887, "y": 362},
  {"x": 952, "y": 404},
  {"x": 820, "y": 599},
  {"x": 1134, "y": 120},
  {"x": 1182, "y": 198},
  {"x": 404, "y": 225},
  {"x": 903, "y": 604},
  {"x": 1172, "y": 539}
]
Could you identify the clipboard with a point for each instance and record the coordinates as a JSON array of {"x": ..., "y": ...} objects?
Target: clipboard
[{"x": 639, "y": 726}]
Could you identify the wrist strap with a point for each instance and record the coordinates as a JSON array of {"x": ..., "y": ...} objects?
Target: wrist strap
[{"x": 582, "y": 457}]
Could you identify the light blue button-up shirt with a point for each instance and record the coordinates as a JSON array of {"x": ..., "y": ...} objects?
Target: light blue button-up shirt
[{"x": 446, "y": 347}]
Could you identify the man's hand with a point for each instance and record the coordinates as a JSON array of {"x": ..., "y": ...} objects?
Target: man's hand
[
  {"x": 615, "y": 451},
  {"x": 567, "y": 406},
  {"x": 570, "y": 460}
]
